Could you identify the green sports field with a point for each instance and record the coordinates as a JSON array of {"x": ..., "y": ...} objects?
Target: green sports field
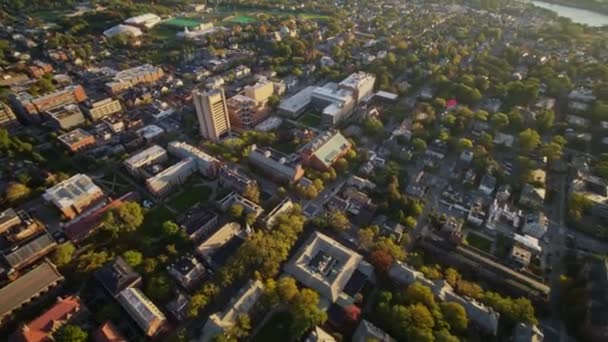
[{"x": 182, "y": 22}]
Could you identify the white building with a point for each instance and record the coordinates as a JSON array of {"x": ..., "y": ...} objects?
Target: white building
[
  {"x": 163, "y": 182},
  {"x": 147, "y": 20},
  {"x": 206, "y": 164},
  {"x": 122, "y": 29},
  {"x": 151, "y": 155},
  {"x": 361, "y": 84}
]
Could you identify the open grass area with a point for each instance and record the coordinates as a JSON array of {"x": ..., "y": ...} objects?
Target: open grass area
[
  {"x": 190, "y": 194},
  {"x": 57, "y": 161},
  {"x": 154, "y": 219},
  {"x": 181, "y": 22},
  {"x": 311, "y": 119},
  {"x": 275, "y": 329},
  {"x": 49, "y": 15},
  {"x": 479, "y": 242}
]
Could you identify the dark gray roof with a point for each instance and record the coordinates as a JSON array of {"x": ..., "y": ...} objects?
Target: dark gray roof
[
  {"x": 31, "y": 251},
  {"x": 117, "y": 275}
]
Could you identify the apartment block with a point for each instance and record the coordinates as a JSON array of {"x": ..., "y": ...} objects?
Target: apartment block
[
  {"x": 31, "y": 107},
  {"x": 77, "y": 140},
  {"x": 361, "y": 84},
  {"x": 212, "y": 113},
  {"x": 162, "y": 183},
  {"x": 151, "y": 155},
  {"x": 275, "y": 164},
  {"x": 126, "y": 79},
  {"x": 206, "y": 164},
  {"x": 100, "y": 109},
  {"x": 245, "y": 112},
  {"x": 74, "y": 195},
  {"x": 65, "y": 117}
]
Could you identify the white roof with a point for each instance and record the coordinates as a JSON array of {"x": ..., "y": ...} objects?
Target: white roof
[
  {"x": 150, "y": 131},
  {"x": 297, "y": 101},
  {"x": 143, "y": 18},
  {"x": 71, "y": 190},
  {"x": 122, "y": 29},
  {"x": 146, "y": 156}
]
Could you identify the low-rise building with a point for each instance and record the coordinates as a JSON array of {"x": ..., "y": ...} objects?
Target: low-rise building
[
  {"x": 117, "y": 275},
  {"x": 151, "y": 155},
  {"x": 99, "y": 109},
  {"x": 40, "y": 329},
  {"x": 366, "y": 331},
  {"x": 107, "y": 332},
  {"x": 245, "y": 112},
  {"x": 121, "y": 29},
  {"x": 532, "y": 196},
  {"x": 241, "y": 304},
  {"x": 206, "y": 164},
  {"x": 275, "y": 164},
  {"x": 232, "y": 178},
  {"x": 527, "y": 333},
  {"x": 361, "y": 84},
  {"x": 77, "y": 140},
  {"x": 234, "y": 198},
  {"x": 28, "y": 287},
  {"x": 74, "y": 195},
  {"x": 28, "y": 253},
  {"x": 31, "y": 107},
  {"x": 324, "y": 265},
  {"x": 198, "y": 222},
  {"x": 535, "y": 224},
  {"x": 147, "y": 316},
  {"x": 7, "y": 117},
  {"x": 144, "y": 21},
  {"x": 215, "y": 241},
  {"x": 284, "y": 207},
  {"x": 324, "y": 150},
  {"x": 487, "y": 184},
  {"x": 187, "y": 270},
  {"x": 65, "y": 117},
  {"x": 126, "y": 79},
  {"x": 165, "y": 181}
]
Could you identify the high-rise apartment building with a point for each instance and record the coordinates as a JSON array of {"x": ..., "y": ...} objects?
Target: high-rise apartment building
[{"x": 212, "y": 113}]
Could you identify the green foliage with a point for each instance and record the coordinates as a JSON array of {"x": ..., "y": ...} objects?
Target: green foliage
[
  {"x": 306, "y": 312},
  {"x": 70, "y": 333},
  {"x": 126, "y": 218},
  {"x": 252, "y": 193},
  {"x": 455, "y": 315},
  {"x": 236, "y": 211},
  {"x": 516, "y": 310},
  {"x": 159, "y": 287},
  {"x": 63, "y": 254},
  {"x": 578, "y": 205},
  {"x": 16, "y": 192},
  {"x": 372, "y": 126},
  {"x": 133, "y": 258},
  {"x": 419, "y": 145},
  {"x": 91, "y": 261},
  {"x": 529, "y": 140}
]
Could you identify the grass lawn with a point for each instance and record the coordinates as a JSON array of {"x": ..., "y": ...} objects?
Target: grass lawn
[
  {"x": 116, "y": 183},
  {"x": 191, "y": 194},
  {"x": 311, "y": 120},
  {"x": 180, "y": 23},
  {"x": 242, "y": 19},
  {"x": 162, "y": 32},
  {"x": 275, "y": 329},
  {"x": 49, "y": 15},
  {"x": 154, "y": 220},
  {"x": 479, "y": 242}
]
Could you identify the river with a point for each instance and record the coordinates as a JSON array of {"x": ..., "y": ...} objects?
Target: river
[{"x": 577, "y": 15}]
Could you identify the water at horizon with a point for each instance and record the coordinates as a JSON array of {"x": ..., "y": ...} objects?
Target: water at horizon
[{"x": 577, "y": 15}]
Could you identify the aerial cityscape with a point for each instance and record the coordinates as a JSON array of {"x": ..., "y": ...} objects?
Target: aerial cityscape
[{"x": 303, "y": 170}]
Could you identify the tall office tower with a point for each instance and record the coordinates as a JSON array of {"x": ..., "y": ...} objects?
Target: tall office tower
[{"x": 212, "y": 113}]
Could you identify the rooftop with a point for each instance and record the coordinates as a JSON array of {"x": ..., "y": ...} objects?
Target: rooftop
[
  {"x": 42, "y": 327},
  {"x": 117, "y": 275},
  {"x": 324, "y": 265},
  {"x": 146, "y": 156},
  {"x": 72, "y": 190},
  {"x": 27, "y": 286},
  {"x": 74, "y": 136}
]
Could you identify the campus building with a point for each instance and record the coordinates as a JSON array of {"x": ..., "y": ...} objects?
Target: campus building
[
  {"x": 361, "y": 84},
  {"x": 241, "y": 304},
  {"x": 324, "y": 150},
  {"x": 74, "y": 195},
  {"x": 245, "y": 112},
  {"x": 212, "y": 113},
  {"x": 77, "y": 140},
  {"x": 206, "y": 164},
  {"x": 65, "y": 117},
  {"x": 28, "y": 287},
  {"x": 232, "y": 178},
  {"x": 151, "y": 155},
  {"x": 31, "y": 107},
  {"x": 162, "y": 183},
  {"x": 126, "y": 79},
  {"x": 275, "y": 164},
  {"x": 144, "y": 21},
  {"x": 147, "y": 315},
  {"x": 100, "y": 109}
]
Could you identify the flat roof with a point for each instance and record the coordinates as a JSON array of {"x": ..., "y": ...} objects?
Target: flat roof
[
  {"x": 71, "y": 190},
  {"x": 74, "y": 136},
  {"x": 147, "y": 155},
  {"x": 27, "y": 286},
  {"x": 298, "y": 101}
]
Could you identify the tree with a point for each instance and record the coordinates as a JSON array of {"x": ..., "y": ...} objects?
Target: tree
[
  {"x": 170, "y": 228},
  {"x": 341, "y": 165},
  {"x": 419, "y": 145},
  {"x": 159, "y": 287},
  {"x": 236, "y": 211},
  {"x": 469, "y": 289},
  {"x": 499, "y": 121},
  {"x": 452, "y": 276},
  {"x": 70, "y": 333},
  {"x": 338, "y": 221},
  {"x": 242, "y": 327},
  {"x": 63, "y": 254},
  {"x": 464, "y": 144},
  {"x": 382, "y": 261},
  {"x": 444, "y": 335},
  {"x": 252, "y": 193},
  {"x": 133, "y": 257},
  {"x": 149, "y": 265},
  {"x": 126, "y": 218},
  {"x": 389, "y": 246},
  {"x": 366, "y": 236},
  {"x": 578, "y": 205},
  {"x": 287, "y": 289},
  {"x": 16, "y": 192},
  {"x": 529, "y": 140},
  {"x": 305, "y": 312},
  {"x": 372, "y": 126},
  {"x": 92, "y": 260},
  {"x": 455, "y": 315},
  {"x": 418, "y": 293},
  {"x": 516, "y": 310}
]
